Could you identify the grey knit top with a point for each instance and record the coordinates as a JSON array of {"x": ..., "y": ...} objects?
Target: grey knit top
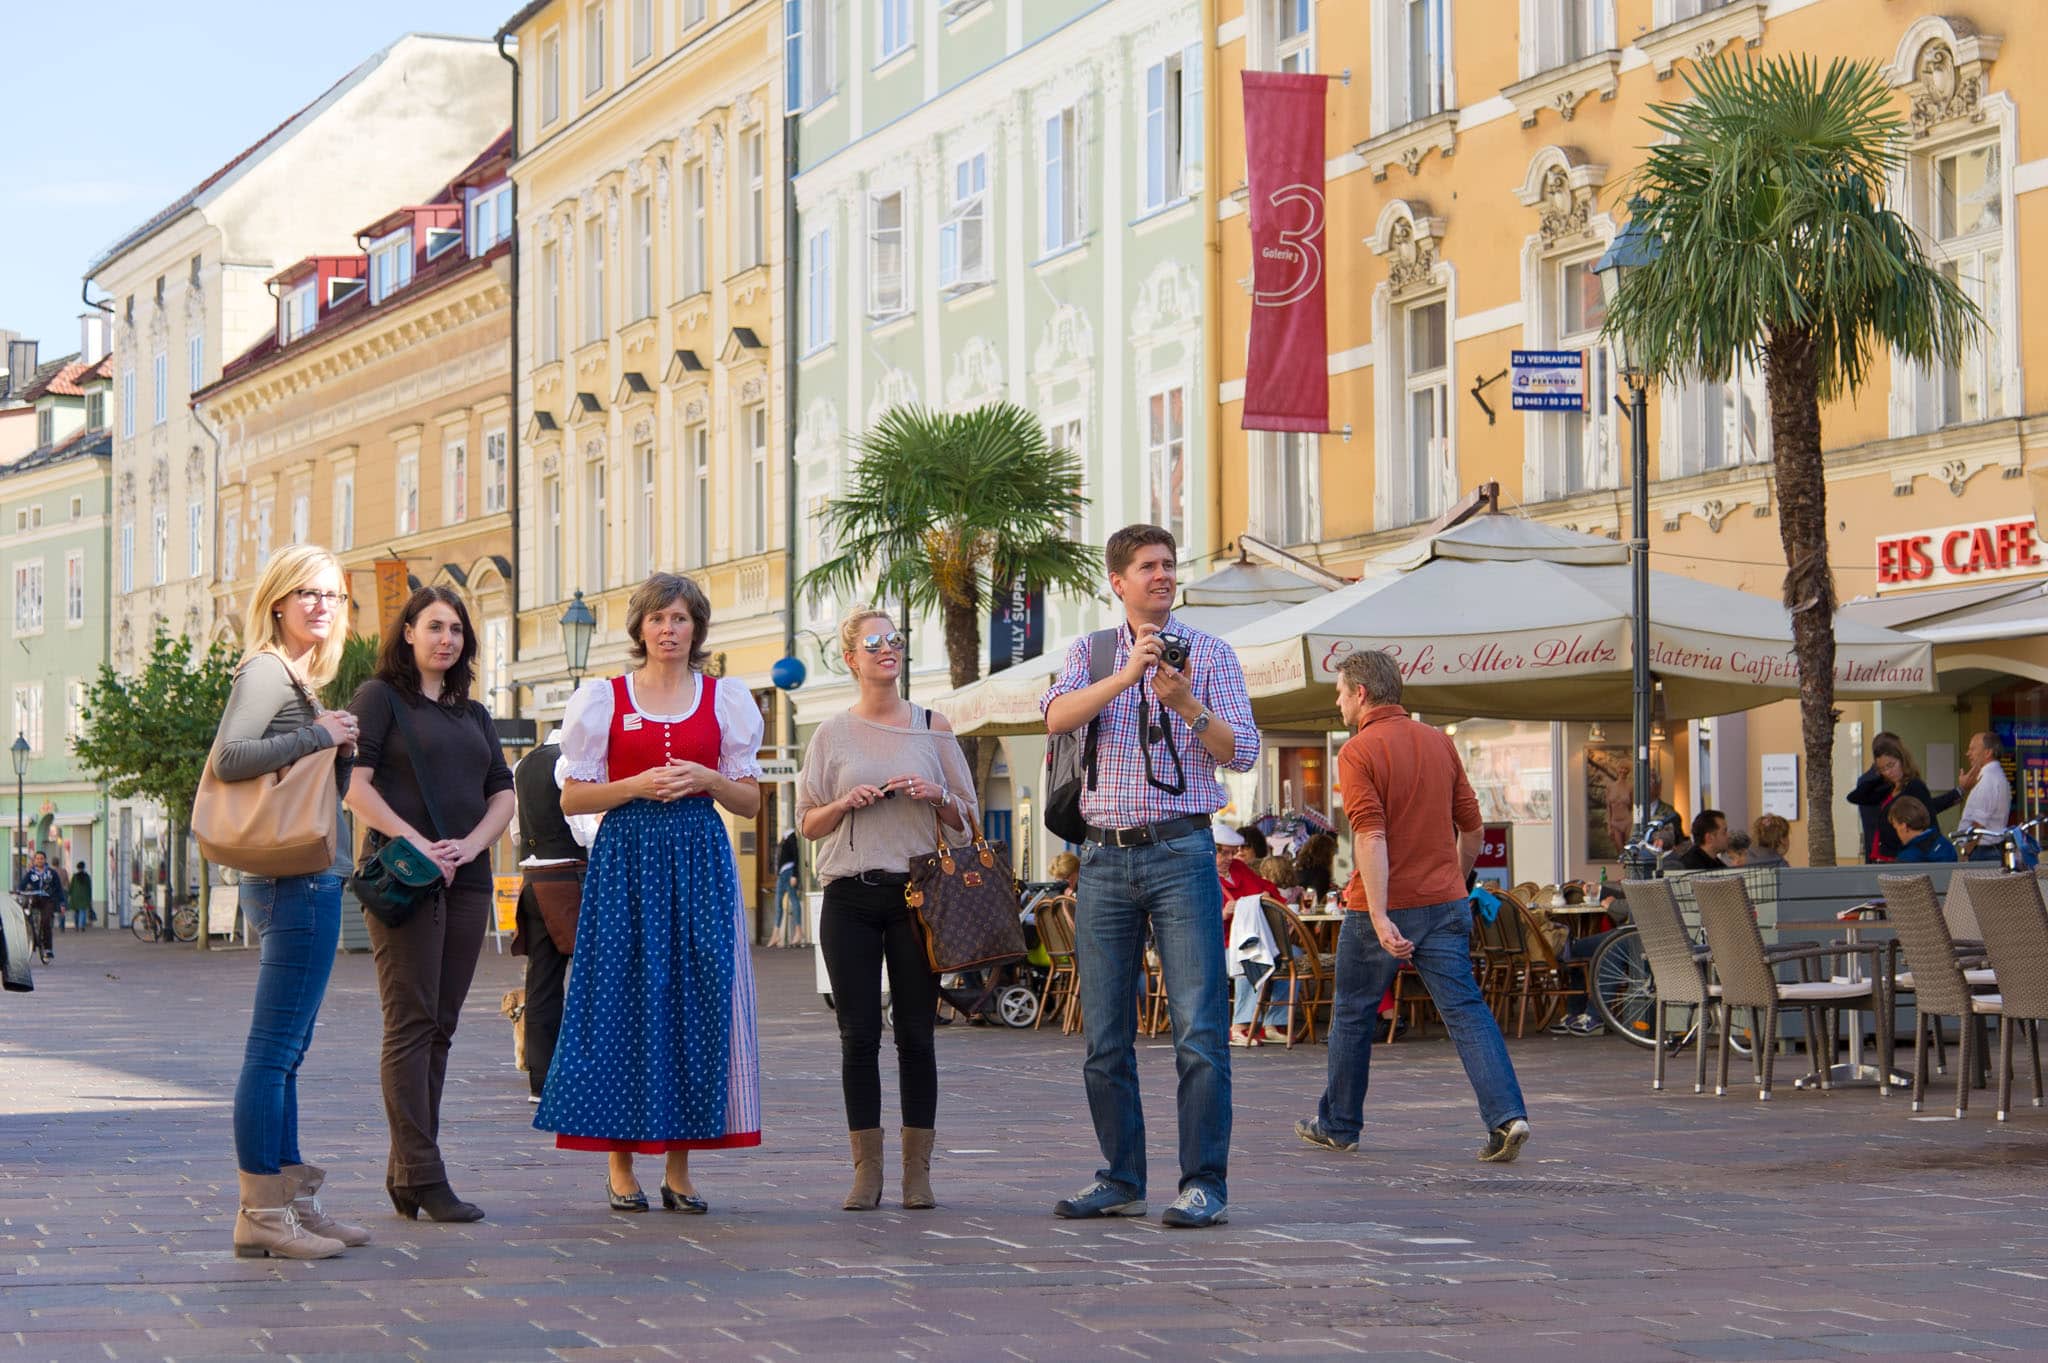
[
  {"x": 267, "y": 726},
  {"x": 849, "y": 751}
]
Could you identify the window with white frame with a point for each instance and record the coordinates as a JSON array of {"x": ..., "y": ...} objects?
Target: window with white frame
[
  {"x": 195, "y": 537},
  {"x": 408, "y": 504},
  {"x": 1965, "y": 215},
  {"x": 74, "y": 587},
  {"x": 96, "y": 410},
  {"x": 754, "y": 422},
  {"x": 1413, "y": 69},
  {"x": 345, "y": 511},
  {"x": 810, "y": 50},
  {"x": 1290, "y": 34},
  {"x": 195, "y": 364},
  {"x": 888, "y": 255},
  {"x": 697, "y": 444},
  {"x": 128, "y": 401},
  {"x": 550, "y": 302},
  {"x": 753, "y": 224},
  {"x": 1424, "y": 416},
  {"x": 28, "y": 714},
  {"x": 1173, "y": 127},
  {"x": 496, "y": 471},
  {"x": 1066, "y": 179},
  {"x": 1689, "y": 9},
  {"x": 1559, "y": 32},
  {"x": 230, "y": 549},
  {"x": 302, "y": 517},
  {"x": 550, "y": 76},
  {"x": 596, "y": 524},
  {"x": 1573, "y": 445},
  {"x": 695, "y": 12},
  {"x": 160, "y": 546},
  {"x": 696, "y": 237},
  {"x": 963, "y": 234},
  {"x": 497, "y": 658},
  {"x": 644, "y": 514},
  {"x": 593, "y": 281},
  {"x": 28, "y": 597},
  {"x": 893, "y": 32},
  {"x": 455, "y": 483},
  {"x": 77, "y": 506},
  {"x": 1166, "y": 462},
  {"x": 551, "y": 540},
  {"x": 74, "y": 710},
  {"x": 818, "y": 290},
  {"x": 1715, "y": 425},
  {"x": 641, "y": 284},
  {"x": 297, "y": 311},
  {"x": 160, "y": 372},
  {"x": 1065, "y": 434},
  {"x": 643, "y": 30},
  {"x": 593, "y": 46},
  {"x": 490, "y": 218},
  {"x": 1285, "y": 493},
  {"x": 390, "y": 264},
  {"x": 46, "y": 428},
  {"x": 264, "y": 533}
]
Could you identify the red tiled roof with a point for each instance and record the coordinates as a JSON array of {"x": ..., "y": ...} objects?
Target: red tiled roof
[
  {"x": 46, "y": 375},
  {"x": 65, "y": 382}
]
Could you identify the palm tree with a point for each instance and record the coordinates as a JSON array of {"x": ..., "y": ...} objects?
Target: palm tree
[
  {"x": 1766, "y": 195},
  {"x": 358, "y": 665},
  {"x": 942, "y": 506}
]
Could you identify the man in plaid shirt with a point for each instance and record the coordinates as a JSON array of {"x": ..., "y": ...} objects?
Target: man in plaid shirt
[{"x": 1150, "y": 860}]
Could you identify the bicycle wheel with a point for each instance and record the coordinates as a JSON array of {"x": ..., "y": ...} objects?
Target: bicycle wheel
[
  {"x": 144, "y": 927},
  {"x": 1625, "y": 994},
  {"x": 185, "y": 924}
]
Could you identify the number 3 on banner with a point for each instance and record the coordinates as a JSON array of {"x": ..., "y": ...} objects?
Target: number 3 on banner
[{"x": 1307, "y": 255}]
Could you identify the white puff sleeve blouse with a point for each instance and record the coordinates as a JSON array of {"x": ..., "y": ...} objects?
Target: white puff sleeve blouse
[{"x": 587, "y": 728}]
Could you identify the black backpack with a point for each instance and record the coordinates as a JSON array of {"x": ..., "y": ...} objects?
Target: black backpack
[{"x": 1070, "y": 757}]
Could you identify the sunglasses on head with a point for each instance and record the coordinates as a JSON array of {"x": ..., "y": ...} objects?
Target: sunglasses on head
[{"x": 875, "y": 643}]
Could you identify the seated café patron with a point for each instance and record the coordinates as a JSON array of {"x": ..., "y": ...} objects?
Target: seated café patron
[{"x": 1919, "y": 839}]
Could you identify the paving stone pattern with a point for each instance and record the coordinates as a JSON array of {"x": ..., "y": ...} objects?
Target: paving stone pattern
[{"x": 1636, "y": 1227}]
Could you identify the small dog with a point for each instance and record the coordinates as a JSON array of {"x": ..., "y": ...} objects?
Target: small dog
[{"x": 513, "y": 1006}]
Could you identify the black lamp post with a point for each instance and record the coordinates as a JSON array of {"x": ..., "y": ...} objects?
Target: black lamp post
[
  {"x": 578, "y": 624},
  {"x": 20, "y": 750},
  {"x": 1634, "y": 248}
]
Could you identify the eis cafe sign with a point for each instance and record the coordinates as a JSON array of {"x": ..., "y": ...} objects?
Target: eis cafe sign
[{"x": 1956, "y": 555}]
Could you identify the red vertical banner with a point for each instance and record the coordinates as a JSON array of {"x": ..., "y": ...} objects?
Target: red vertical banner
[{"x": 1287, "y": 370}]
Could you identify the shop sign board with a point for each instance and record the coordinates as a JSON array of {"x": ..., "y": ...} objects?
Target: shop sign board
[
  {"x": 1781, "y": 784},
  {"x": 1949, "y": 555},
  {"x": 1492, "y": 865},
  {"x": 1547, "y": 380}
]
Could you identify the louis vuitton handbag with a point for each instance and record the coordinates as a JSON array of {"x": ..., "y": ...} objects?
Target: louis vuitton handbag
[{"x": 965, "y": 900}]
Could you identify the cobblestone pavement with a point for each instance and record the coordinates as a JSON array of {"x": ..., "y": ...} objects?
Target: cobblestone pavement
[{"x": 1636, "y": 1227}]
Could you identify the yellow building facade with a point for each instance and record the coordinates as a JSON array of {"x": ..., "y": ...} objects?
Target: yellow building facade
[
  {"x": 651, "y": 329},
  {"x": 1476, "y": 159}
]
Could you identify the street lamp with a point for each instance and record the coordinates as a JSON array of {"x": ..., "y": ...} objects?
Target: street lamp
[
  {"x": 20, "y": 750},
  {"x": 1633, "y": 249},
  {"x": 578, "y": 624}
]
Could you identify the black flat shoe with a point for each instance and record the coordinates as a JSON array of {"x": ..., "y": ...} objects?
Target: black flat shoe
[
  {"x": 673, "y": 1201},
  {"x": 437, "y": 1200},
  {"x": 635, "y": 1201}
]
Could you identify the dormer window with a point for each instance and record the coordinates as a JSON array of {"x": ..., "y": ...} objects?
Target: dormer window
[
  {"x": 390, "y": 264},
  {"x": 340, "y": 290},
  {"x": 442, "y": 240},
  {"x": 297, "y": 310},
  {"x": 490, "y": 217}
]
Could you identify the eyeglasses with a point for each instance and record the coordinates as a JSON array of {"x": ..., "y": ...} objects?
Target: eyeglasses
[
  {"x": 310, "y": 597},
  {"x": 875, "y": 643}
]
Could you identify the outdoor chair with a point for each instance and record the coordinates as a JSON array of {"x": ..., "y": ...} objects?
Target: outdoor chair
[
  {"x": 1152, "y": 1019},
  {"x": 2015, "y": 924},
  {"x": 1941, "y": 986},
  {"x": 1546, "y": 976},
  {"x": 1310, "y": 974},
  {"x": 1679, "y": 969},
  {"x": 1748, "y": 976},
  {"x": 1412, "y": 994},
  {"x": 1968, "y": 939},
  {"x": 1062, "y": 986},
  {"x": 1502, "y": 953}
]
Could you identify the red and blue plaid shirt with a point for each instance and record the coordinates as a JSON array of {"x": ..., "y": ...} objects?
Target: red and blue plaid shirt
[{"x": 1122, "y": 795}]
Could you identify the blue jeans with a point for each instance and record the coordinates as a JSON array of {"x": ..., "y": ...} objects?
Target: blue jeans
[
  {"x": 1171, "y": 887},
  {"x": 789, "y": 904},
  {"x": 299, "y": 918},
  {"x": 1442, "y": 934},
  {"x": 1246, "y": 1002}
]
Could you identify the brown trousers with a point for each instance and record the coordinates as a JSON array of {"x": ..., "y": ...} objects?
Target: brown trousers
[{"x": 424, "y": 967}]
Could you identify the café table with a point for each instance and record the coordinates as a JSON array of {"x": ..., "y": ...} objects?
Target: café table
[
  {"x": 1323, "y": 925},
  {"x": 1578, "y": 918},
  {"x": 1850, "y": 921}
]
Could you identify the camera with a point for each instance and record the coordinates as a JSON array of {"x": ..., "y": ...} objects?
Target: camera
[{"x": 1173, "y": 651}]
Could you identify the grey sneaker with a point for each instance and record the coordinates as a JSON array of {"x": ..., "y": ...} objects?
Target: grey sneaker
[
  {"x": 1312, "y": 1131},
  {"x": 1099, "y": 1198},
  {"x": 1194, "y": 1209},
  {"x": 1505, "y": 1142}
]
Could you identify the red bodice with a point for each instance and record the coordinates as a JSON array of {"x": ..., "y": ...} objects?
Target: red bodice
[{"x": 638, "y": 742}]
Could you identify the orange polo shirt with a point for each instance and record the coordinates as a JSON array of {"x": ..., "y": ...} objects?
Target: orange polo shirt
[{"x": 1402, "y": 779}]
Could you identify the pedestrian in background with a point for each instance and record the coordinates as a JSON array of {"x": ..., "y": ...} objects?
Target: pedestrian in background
[
  {"x": 1149, "y": 861},
  {"x": 419, "y": 699},
  {"x": 1987, "y": 796},
  {"x": 80, "y": 892},
  {"x": 878, "y": 782},
  {"x": 292, "y": 638},
  {"x": 1416, "y": 829},
  {"x": 550, "y": 896},
  {"x": 789, "y": 900},
  {"x": 40, "y": 894}
]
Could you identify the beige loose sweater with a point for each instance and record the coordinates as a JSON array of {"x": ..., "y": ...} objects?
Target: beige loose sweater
[{"x": 849, "y": 751}]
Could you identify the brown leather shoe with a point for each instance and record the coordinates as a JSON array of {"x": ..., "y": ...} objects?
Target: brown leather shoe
[
  {"x": 266, "y": 1224},
  {"x": 302, "y": 1182}
]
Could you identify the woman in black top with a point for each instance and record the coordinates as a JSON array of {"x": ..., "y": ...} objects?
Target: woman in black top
[
  {"x": 1891, "y": 775},
  {"x": 425, "y": 964}
]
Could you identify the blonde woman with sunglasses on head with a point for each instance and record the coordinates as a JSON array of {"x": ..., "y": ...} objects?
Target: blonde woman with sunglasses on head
[
  {"x": 874, "y": 780},
  {"x": 293, "y": 635}
]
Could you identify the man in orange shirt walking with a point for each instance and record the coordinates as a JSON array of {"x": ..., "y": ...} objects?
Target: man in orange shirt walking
[{"x": 1415, "y": 829}]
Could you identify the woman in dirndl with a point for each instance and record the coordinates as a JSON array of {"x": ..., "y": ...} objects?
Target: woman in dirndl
[{"x": 657, "y": 1053}]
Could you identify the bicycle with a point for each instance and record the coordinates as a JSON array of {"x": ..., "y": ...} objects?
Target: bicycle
[
  {"x": 1624, "y": 992},
  {"x": 2015, "y": 844},
  {"x": 149, "y": 926}
]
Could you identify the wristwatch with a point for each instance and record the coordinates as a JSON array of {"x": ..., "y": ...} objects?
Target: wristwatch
[{"x": 1201, "y": 721}]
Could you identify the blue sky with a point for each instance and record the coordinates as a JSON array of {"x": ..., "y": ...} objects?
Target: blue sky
[{"x": 114, "y": 109}]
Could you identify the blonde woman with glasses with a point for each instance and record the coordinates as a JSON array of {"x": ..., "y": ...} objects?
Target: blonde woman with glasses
[
  {"x": 874, "y": 782},
  {"x": 292, "y": 639}
]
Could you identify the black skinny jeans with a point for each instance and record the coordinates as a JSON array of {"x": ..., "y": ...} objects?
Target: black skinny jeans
[{"x": 862, "y": 925}]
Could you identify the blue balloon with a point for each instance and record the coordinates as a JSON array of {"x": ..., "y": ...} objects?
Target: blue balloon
[{"x": 787, "y": 674}]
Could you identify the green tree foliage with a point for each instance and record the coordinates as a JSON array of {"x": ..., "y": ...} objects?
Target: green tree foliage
[{"x": 1765, "y": 190}]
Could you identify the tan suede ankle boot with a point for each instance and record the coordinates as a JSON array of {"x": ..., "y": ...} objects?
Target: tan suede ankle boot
[
  {"x": 867, "y": 1171},
  {"x": 266, "y": 1224},
  {"x": 302, "y": 1182},
  {"x": 917, "y": 1169}
]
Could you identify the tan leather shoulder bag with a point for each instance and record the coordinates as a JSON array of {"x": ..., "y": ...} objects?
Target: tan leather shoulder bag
[{"x": 278, "y": 824}]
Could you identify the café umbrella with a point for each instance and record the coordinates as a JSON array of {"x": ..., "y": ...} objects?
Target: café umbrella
[{"x": 1506, "y": 618}]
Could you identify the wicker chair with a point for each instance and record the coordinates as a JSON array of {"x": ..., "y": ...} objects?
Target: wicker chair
[
  {"x": 1547, "y": 978},
  {"x": 1063, "y": 982},
  {"x": 1749, "y": 979},
  {"x": 1679, "y": 969},
  {"x": 2015, "y": 925},
  {"x": 1309, "y": 973},
  {"x": 1940, "y": 985}
]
